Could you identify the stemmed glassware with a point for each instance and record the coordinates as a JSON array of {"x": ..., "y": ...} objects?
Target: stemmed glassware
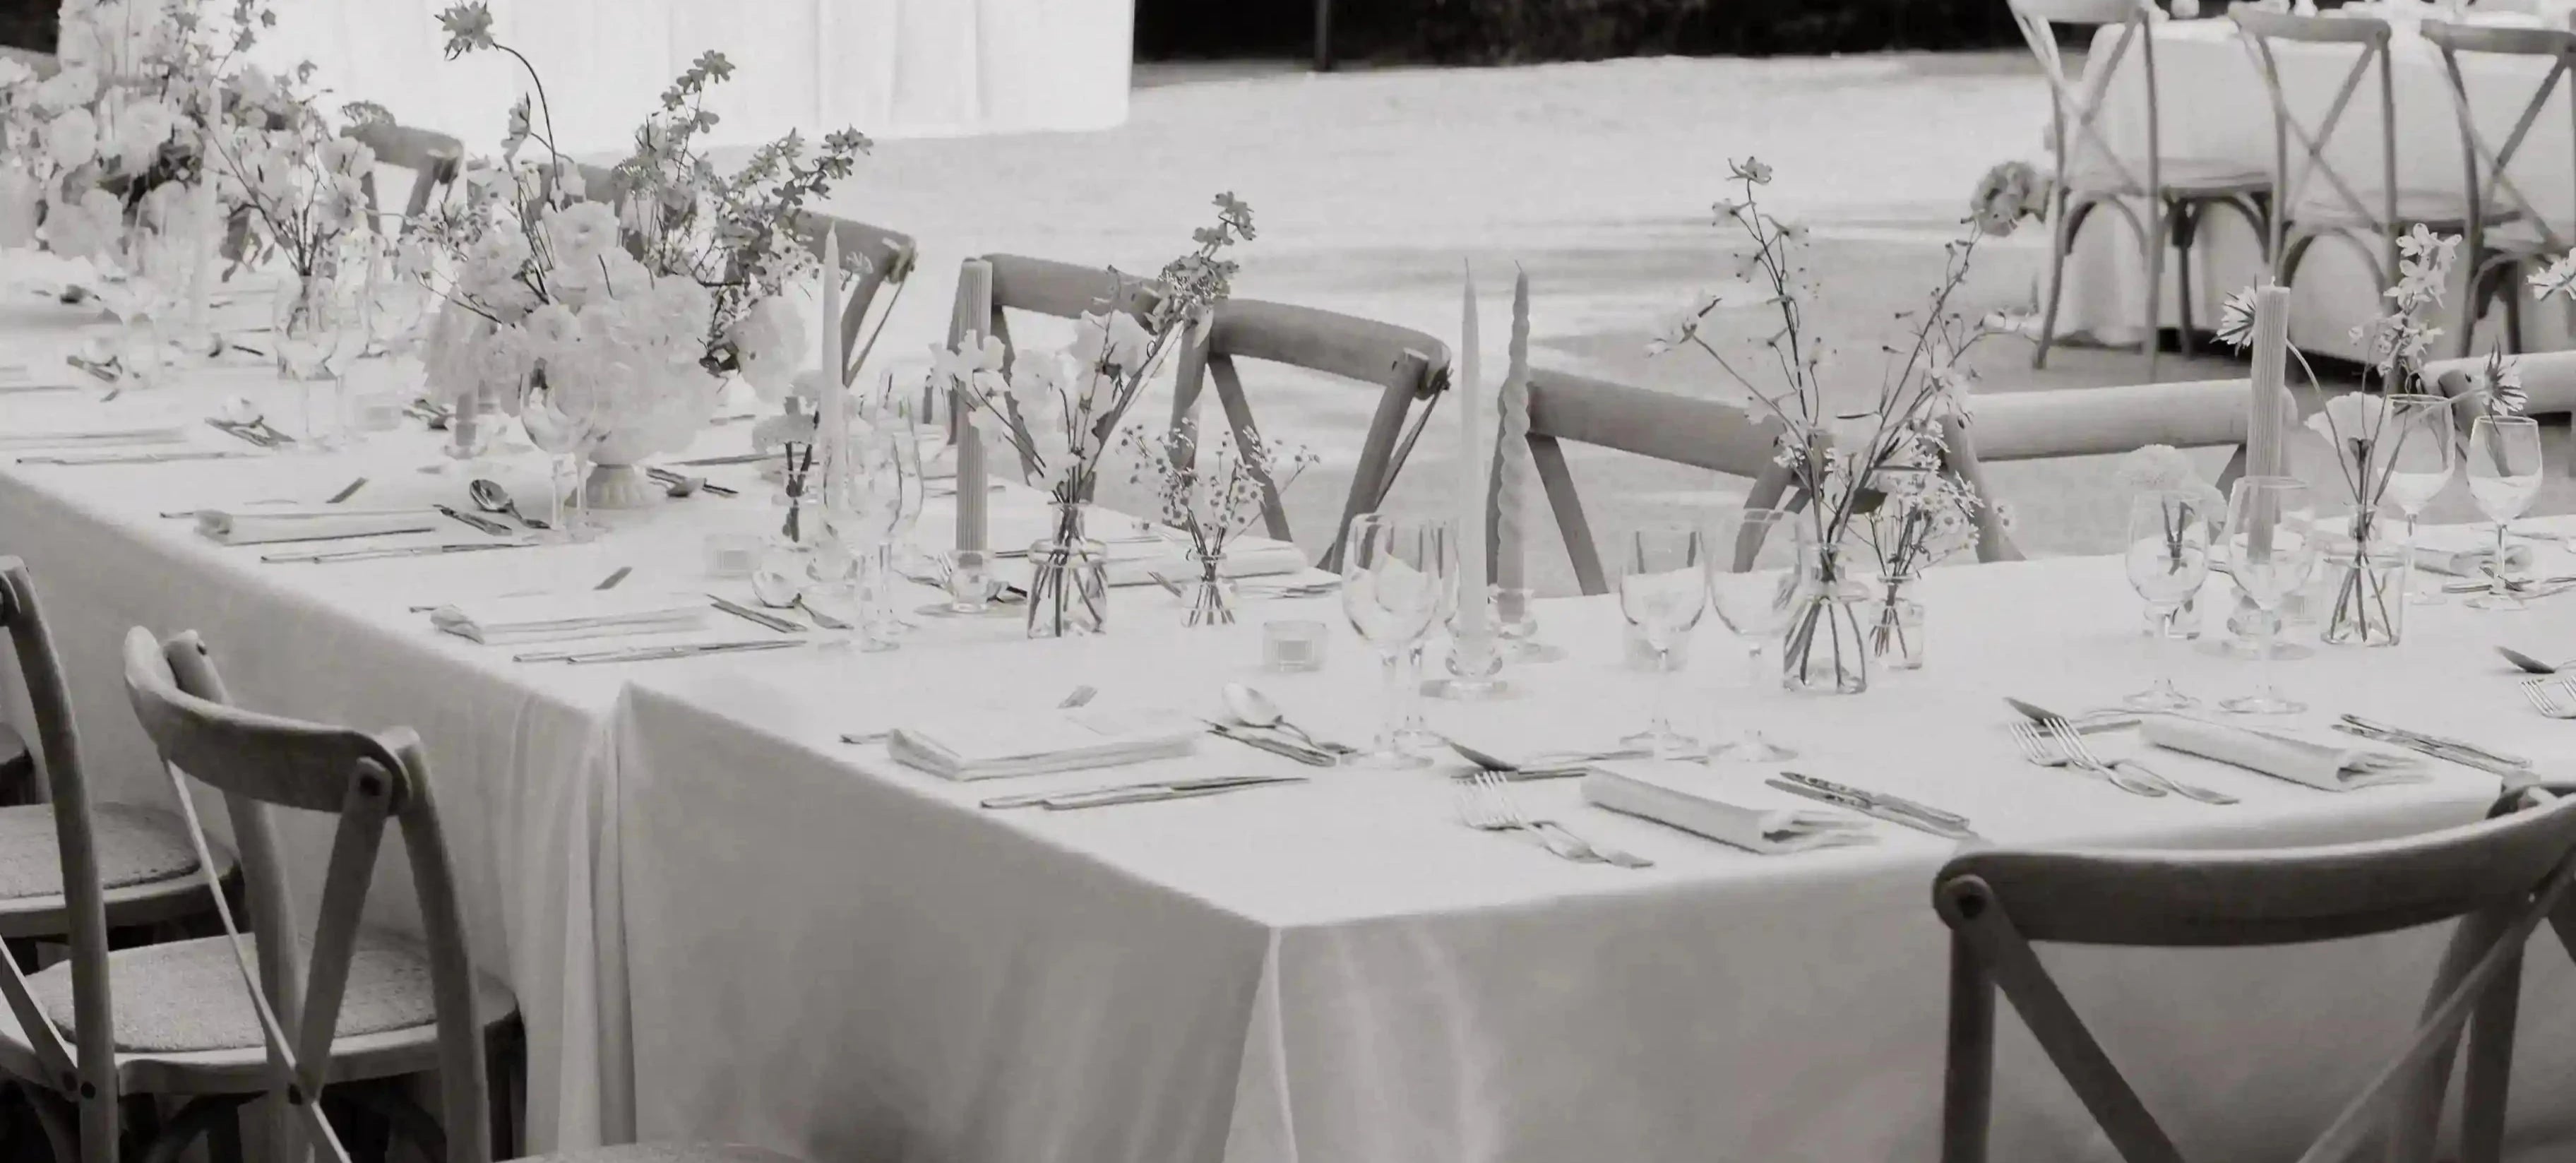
[
  {"x": 1754, "y": 602},
  {"x": 1663, "y": 593},
  {"x": 2272, "y": 549},
  {"x": 317, "y": 332},
  {"x": 1391, "y": 593},
  {"x": 2424, "y": 452},
  {"x": 562, "y": 427},
  {"x": 862, "y": 505},
  {"x": 1416, "y": 731},
  {"x": 898, "y": 415},
  {"x": 2504, "y": 475},
  {"x": 2168, "y": 559}
]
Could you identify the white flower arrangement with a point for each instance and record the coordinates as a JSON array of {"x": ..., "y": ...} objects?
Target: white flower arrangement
[
  {"x": 2163, "y": 468},
  {"x": 1058, "y": 410},
  {"x": 298, "y": 178},
  {"x": 1212, "y": 489}
]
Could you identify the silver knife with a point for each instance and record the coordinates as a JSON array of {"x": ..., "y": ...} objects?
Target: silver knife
[
  {"x": 1157, "y": 794},
  {"x": 1875, "y": 810},
  {"x": 340, "y": 537},
  {"x": 402, "y": 551},
  {"x": 485, "y": 524},
  {"x": 653, "y": 653},
  {"x": 1900, "y": 803},
  {"x": 1281, "y": 747},
  {"x": 69, "y": 460},
  {"x": 756, "y": 617},
  {"x": 2402, "y": 735},
  {"x": 1035, "y": 798}
]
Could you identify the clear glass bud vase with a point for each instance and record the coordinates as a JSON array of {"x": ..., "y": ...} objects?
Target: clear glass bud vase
[
  {"x": 1068, "y": 579},
  {"x": 1825, "y": 649}
]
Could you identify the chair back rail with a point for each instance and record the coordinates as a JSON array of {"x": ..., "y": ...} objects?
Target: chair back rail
[
  {"x": 84, "y": 1073},
  {"x": 433, "y": 158},
  {"x": 263, "y": 761},
  {"x": 2501, "y": 877},
  {"x": 2548, "y": 380},
  {"x": 1698, "y": 433},
  {"x": 1406, "y": 366},
  {"x": 2490, "y": 167},
  {"x": 2076, "y": 104},
  {"x": 890, "y": 256},
  {"x": 2259, "y": 29}
]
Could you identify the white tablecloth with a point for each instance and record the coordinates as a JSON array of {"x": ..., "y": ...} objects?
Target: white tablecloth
[
  {"x": 836, "y": 956},
  {"x": 2213, "y": 108},
  {"x": 889, "y": 68}
]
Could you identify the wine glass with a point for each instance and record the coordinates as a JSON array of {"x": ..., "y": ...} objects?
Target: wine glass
[
  {"x": 862, "y": 504},
  {"x": 1754, "y": 602},
  {"x": 1416, "y": 732},
  {"x": 2424, "y": 451},
  {"x": 908, "y": 402},
  {"x": 2272, "y": 548},
  {"x": 2168, "y": 559},
  {"x": 1663, "y": 593},
  {"x": 560, "y": 425},
  {"x": 897, "y": 416},
  {"x": 2504, "y": 475},
  {"x": 1391, "y": 594}
]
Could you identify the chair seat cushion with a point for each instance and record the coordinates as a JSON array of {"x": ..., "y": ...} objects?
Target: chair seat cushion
[
  {"x": 667, "y": 1153},
  {"x": 187, "y": 996},
  {"x": 136, "y": 845},
  {"x": 2183, "y": 176},
  {"x": 2444, "y": 211}
]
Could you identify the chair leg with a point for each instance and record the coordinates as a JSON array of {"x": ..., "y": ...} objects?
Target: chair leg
[
  {"x": 2490, "y": 1068},
  {"x": 2511, "y": 283},
  {"x": 2186, "y": 225},
  {"x": 1967, "y": 1092},
  {"x": 2155, "y": 242},
  {"x": 57, "y": 1119},
  {"x": 2060, "y": 238},
  {"x": 506, "y": 1074},
  {"x": 216, "y": 1117}
]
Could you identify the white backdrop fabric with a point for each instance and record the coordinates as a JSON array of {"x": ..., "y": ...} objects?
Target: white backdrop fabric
[{"x": 888, "y": 68}]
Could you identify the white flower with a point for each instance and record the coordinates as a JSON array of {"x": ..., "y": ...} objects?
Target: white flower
[
  {"x": 2503, "y": 384},
  {"x": 976, "y": 366},
  {"x": 71, "y": 138},
  {"x": 141, "y": 130},
  {"x": 1114, "y": 340},
  {"x": 347, "y": 157},
  {"x": 74, "y": 87},
  {"x": 2560, "y": 278},
  {"x": 2352, "y": 424},
  {"x": 90, "y": 226},
  {"x": 768, "y": 342},
  {"x": 2236, "y": 320},
  {"x": 581, "y": 234},
  {"x": 19, "y": 198}
]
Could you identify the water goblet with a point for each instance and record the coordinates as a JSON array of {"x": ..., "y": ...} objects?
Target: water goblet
[
  {"x": 2504, "y": 475},
  {"x": 2168, "y": 559},
  {"x": 863, "y": 502},
  {"x": 1663, "y": 593},
  {"x": 560, "y": 425},
  {"x": 2272, "y": 550},
  {"x": 1416, "y": 731},
  {"x": 1752, "y": 578},
  {"x": 1390, "y": 593},
  {"x": 2424, "y": 451}
]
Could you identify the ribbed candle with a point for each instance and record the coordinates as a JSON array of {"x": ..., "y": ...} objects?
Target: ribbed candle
[
  {"x": 1514, "y": 471},
  {"x": 832, "y": 412},
  {"x": 974, "y": 314},
  {"x": 2263, "y": 451}
]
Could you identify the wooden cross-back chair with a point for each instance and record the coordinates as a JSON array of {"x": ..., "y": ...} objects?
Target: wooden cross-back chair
[
  {"x": 2498, "y": 251},
  {"x": 1699, "y": 433},
  {"x": 2178, "y": 192},
  {"x": 85, "y": 872},
  {"x": 890, "y": 256},
  {"x": 2371, "y": 227},
  {"x": 992, "y": 286},
  {"x": 2064, "y": 422},
  {"x": 2502, "y": 878},
  {"x": 370, "y": 782},
  {"x": 1407, "y": 366},
  {"x": 433, "y": 158}
]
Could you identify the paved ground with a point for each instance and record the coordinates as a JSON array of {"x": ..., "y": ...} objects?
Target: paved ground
[{"x": 1372, "y": 188}]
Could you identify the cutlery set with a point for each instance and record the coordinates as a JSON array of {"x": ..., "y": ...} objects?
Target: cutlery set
[
  {"x": 1488, "y": 803},
  {"x": 1894, "y": 809},
  {"x": 2438, "y": 747}
]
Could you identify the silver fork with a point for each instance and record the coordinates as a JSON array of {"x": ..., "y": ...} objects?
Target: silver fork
[
  {"x": 1501, "y": 788},
  {"x": 1481, "y": 809},
  {"x": 2073, "y": 743},
  {"x": 2036, "y": 748},
  {"x": 2553, "y": 697}
]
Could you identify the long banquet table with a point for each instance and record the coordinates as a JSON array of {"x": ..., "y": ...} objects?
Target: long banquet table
[
  {"x": 725, "y": 924},
  {"x": 2212, "y": 107}
]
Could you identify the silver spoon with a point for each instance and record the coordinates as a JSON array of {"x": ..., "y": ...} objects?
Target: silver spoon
[
  {"x": 684, "y": 486},
  {"x": 490, "y": 497},
  {"x": 240, "y": 412},
  {"x": 779, "y": 591},
  {"x": 1254, "y": 709},
  {"x": 2528, "y": 663}
]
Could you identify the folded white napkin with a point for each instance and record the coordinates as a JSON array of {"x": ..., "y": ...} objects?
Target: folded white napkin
[
  {"x": 92, "y": 437},
  {"x": 2470, "y": 562},
  {"x": 2315, "y": 763},
  {"x": 1674, "y": 795},
  {"x": 556, "y": 617},
  {"x": 987, "y": 743},
  {"x": 268, "y": 526}
]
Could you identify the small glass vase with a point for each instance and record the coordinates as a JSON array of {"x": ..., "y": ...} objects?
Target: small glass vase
[
  {"x": 1825, "y": 649},
  {"x": 1210, "y": 599},
  {"x": 1068, "y": 579},
  {"x": 2365, "y": 587},
  {"x": 316, "y": 335},
  {"x": 1896, "y": 624}
]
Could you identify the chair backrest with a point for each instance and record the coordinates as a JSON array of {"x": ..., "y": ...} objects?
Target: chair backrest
[
  {"x": 1405, "y": 365},
  {"x": 85, "y": 1073},
  {"x": 263, "y": 761},
  {"x": 2496, "y": 187},
  {"x": 2045, "y": 425},
  {"x": 992, "y": 286},
  {"x": 2548, "y": 380},
  {"x": 2075, "y": 105},
  {"x": 1699, "y": 433},
  {"x": 889, "y": 256},
  {"x": 433, "y": 158},
  {"x": 2371, "y": 38},
  {"x": 2505, "y": 876}
]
